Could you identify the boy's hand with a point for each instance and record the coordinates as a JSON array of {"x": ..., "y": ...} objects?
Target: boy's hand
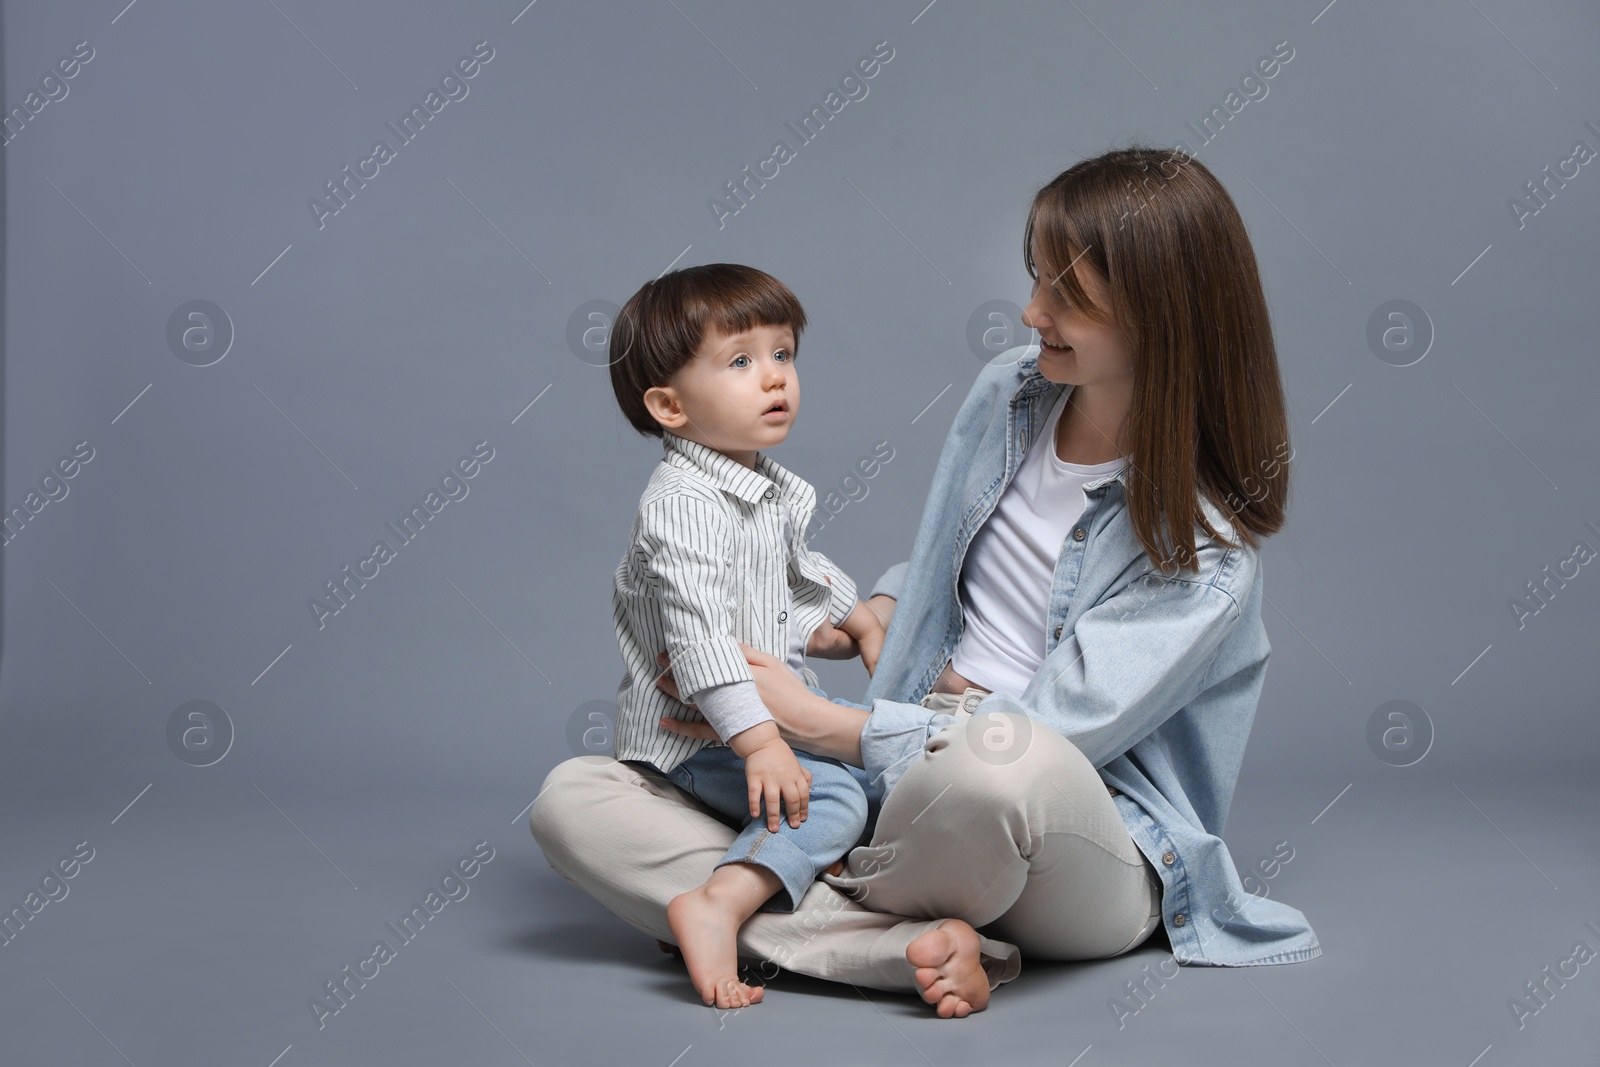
[
  {"x": 829, "y": 642},
  {"x": 866, "y": 628},
  {"x": 771, "y": 772},
  {"x": 871, "y": 648}
]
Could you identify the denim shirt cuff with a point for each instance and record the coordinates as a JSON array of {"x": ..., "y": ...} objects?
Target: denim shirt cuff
[{"x": 894, "y": 735}]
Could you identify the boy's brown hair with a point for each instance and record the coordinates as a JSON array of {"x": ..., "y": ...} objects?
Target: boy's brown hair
[
  {"x": 660, "y": 328},
  {"x": 1208, "y": 415}
]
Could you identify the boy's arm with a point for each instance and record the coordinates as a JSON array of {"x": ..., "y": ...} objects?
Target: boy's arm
[
  {"x": 684, "y": 537},
  {"x": 844, "y": 597},
  {"x": 862, "y": 622},
  {"x": 864, "y": 625},
  {"x": 859, "y": 620}
]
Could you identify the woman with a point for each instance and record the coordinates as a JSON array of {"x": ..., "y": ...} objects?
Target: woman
[{"x": 1075, "y": 650}]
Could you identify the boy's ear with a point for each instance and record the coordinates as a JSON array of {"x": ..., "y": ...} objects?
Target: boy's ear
[{"x": 662, "y": 403}]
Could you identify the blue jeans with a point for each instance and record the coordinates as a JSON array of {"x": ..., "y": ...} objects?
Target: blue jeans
[{"x": 836, "y": 816}]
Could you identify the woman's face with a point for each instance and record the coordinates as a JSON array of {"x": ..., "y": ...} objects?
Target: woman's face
[{"x": 1074, "y": 349}]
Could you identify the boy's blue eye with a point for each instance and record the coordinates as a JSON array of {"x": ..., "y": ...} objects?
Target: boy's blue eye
[{"x": 782, "y": 355}]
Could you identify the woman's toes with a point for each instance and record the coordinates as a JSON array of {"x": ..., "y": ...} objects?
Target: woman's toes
[{"x": 948, "y": 969}]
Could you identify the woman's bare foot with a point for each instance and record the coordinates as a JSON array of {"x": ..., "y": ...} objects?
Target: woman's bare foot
[
  {"x": 949, "y": 969},
  {"x": 707, "y": 929}
]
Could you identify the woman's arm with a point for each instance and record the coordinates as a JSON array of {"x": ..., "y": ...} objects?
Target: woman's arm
[
  {"x": 805, "y": 720},
  {"x": 1131, "y": 661}
]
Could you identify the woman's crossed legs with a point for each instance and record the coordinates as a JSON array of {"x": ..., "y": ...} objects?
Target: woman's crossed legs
[{"x": 1001, "y": 824}]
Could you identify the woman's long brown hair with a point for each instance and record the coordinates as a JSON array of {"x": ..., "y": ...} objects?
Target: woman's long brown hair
[{"x": 1208, "y": 416}]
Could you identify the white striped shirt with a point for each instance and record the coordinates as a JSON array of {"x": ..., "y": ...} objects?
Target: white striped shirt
[{"x": 708, "y": 566}]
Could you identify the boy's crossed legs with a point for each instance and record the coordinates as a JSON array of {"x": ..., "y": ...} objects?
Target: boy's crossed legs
[{"x": 762, "y": 870}]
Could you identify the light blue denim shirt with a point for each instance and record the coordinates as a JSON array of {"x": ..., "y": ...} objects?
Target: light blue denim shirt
[{"x": 1155, "y": 678}]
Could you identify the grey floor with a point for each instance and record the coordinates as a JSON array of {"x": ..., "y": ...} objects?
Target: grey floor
[{"x": 209, "y": 917}]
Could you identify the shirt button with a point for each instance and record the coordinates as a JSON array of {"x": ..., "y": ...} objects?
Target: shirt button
[
  {"x": 1079, "y": 534},
  {"x": 1179, "y": 919},
  {"x": 1167, "y": 858},
  {"x": 1058, "y": 632},
  {"x": 768, "y": 494},
  {"x": 783, "y": 616}
]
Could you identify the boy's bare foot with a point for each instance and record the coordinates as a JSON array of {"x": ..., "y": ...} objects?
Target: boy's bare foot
[
  {"x": 707, "y": 931},
  {"x": 949, "y": 969}
]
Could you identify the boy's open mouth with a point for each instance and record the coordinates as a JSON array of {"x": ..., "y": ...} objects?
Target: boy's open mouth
[{"x": 778, "y": 406}]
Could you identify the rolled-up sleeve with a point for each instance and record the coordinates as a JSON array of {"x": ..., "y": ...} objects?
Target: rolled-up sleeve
[
  {"x": 686, "y": 538},
  {"x": 894, "y": 736}
]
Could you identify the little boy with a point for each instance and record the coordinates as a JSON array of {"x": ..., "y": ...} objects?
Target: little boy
[{"x": 703, "y": 358}]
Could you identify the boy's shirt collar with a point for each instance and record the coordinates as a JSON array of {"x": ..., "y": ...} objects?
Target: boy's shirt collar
[{"x": 734, "y": 477}]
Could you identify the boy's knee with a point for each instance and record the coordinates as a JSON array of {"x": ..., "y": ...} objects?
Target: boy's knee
[
  {"x": 854, "y": 801},
  {"x": 838, "y": 785}
]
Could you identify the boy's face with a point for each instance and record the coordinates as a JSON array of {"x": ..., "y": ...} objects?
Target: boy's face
[{"x": 725, "y": 397}]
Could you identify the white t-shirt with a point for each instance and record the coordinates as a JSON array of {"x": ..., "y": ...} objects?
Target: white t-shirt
[{"x": 1010, "y": 565}]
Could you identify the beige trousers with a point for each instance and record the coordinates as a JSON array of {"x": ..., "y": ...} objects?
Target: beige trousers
[{"x": 1000, "y": 822}]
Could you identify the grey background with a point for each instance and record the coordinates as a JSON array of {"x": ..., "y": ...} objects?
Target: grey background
[{"x": 432, "y": 310}]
